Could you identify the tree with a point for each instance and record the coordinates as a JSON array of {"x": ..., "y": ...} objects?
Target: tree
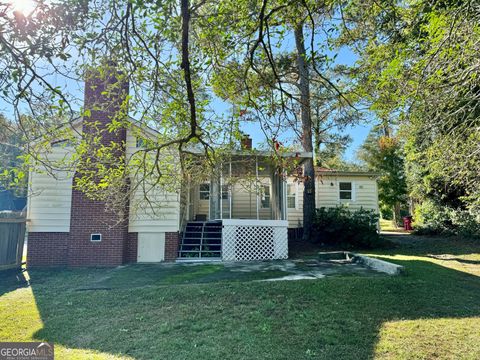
[
  {"x": 382, "y": 153},
  {"x": 152, "y": 45},
  {"x": 12, "y": 176},
  {"x": 274, "y": 81},
  {"x": 419, "y": 64},
  {"x": 173, "y": 53},
  {"x": 331, "y": 115}
]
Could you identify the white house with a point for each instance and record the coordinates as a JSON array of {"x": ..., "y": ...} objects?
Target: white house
[{"x": 230, "y": 217}]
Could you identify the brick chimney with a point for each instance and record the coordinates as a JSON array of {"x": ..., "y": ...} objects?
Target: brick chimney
[
  {"x": 246, "y": 142},
  {"x": 106, "y": 91},
  {"x": 97, "y": 236}
]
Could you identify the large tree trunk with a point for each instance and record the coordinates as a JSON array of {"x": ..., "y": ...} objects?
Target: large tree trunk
[
  {"x": 306, "y": 117},
  {"x": 396, "y": 214}
]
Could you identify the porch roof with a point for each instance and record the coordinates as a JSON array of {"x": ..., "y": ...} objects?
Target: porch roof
[{"x": 254, "y": 153}]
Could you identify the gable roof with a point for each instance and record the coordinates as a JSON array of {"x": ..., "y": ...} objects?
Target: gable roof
[{"x": 240, "y": 153}]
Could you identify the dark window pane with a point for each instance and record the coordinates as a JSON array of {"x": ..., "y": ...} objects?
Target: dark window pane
[
  {"x": 291, "y": 202},
  {"x": 204, "y": 191},
  {"x": 345, "y": 195},
  {"x": 345, "y": 186}
]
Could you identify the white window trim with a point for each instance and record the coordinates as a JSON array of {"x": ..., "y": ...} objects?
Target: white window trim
[
  {"x": 296, "y": 195},
  {"x": 227, "y": 191},
  {"x": 200, "y": 192},
  {"x": 92, "y": 235},
  {"x": 354, "y": 195},
  {"x": 269, "y": 196}
]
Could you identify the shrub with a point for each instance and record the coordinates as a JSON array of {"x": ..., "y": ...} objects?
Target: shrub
[
  {"x": 434, "y": 219},
  {"x": 386, "y": 212},
  {"x": 341, "y": 226}
]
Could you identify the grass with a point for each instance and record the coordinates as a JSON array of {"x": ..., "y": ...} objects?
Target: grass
[
  {"x": 389, "y": 225},
  {"x": 432, "y": 312}
]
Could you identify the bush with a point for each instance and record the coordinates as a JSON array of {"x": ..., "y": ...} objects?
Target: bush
[
  {"x": 434, "y": 219},
  {"x": 341, "y": 226},
  {"x": 386, "y": 212}
]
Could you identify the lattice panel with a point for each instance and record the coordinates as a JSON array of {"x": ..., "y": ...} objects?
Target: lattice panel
[{"x": 242, "y": 242}]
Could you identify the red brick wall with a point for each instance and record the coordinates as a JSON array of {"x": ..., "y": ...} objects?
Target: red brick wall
[
  {"x": 131, "y": 248},
  {"x": 104, "y": 95},
  {"x": 171, "y": 246},
  {"x": 90, "y": 217},
  {"x": 47, "y": 249}
]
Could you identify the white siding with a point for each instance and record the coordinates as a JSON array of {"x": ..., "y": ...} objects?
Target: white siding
[
  {"x": 244, "y": 202},
  {"x": 327, "y": 194},
  {"x": 50, "y": 197},
  {"x": 295, "y": 216},
  {"x": 161, "y": 212},
  {"x": 364, "y": 192}
]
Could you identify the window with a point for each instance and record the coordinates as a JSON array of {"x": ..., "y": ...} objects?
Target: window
[
  {"x": 95, "y": 237},
  {"x": 204, "y": 191},
  {"x": 225, "y": 192},
  {"x": 265, "y": 196},
  {"x": 346, "y": 191},
  {"x": 292, "y": 196},
  {"x": 140, "y": 142}
]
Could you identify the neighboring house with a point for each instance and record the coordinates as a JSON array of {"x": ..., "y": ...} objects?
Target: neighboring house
[{"x": 244, "y": 213}]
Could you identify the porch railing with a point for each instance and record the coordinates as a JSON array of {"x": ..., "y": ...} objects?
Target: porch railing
[{"x": 254, "y": 239}]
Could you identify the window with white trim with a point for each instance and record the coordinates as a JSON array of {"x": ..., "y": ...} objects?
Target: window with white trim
[
  {"x": 225, "y": 192},
  {"x": 95, "y": 237},
  {"x": 346, "y": 191},
  {"x": 204, "y": 191},
  {"x": 265, "y": 196},
  {"x": 292, "y": 196}
]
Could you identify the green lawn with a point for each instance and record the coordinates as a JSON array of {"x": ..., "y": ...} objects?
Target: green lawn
[
  {"x": 432, "y": 312},
  {"x": 389, "y": 225}
]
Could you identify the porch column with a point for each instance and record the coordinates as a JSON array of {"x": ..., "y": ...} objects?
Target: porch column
[
  {"x": 257, "y": 188},
  {"x": 215, "y": 197},
  {"x": 221, "y": 191},
  {"x": 283, "y": 184},
  {"x": 276, "y": 197},
  {"x": 230, "y": 189}
]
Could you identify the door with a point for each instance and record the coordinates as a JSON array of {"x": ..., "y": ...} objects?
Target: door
[{"x": 151, "y": 247}]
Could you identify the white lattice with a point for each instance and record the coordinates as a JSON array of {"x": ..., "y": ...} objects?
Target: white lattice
[{"x": 254, "y": 240}]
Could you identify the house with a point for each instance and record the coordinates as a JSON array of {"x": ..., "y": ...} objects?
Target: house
[{"x": 243, "y": 212}]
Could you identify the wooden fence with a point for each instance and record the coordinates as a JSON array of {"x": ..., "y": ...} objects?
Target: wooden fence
[{"x": 12, "y": 236}]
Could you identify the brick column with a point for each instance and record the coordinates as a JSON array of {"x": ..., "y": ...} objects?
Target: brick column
[
  {"x": 171, "y": 246},
  {"x": 131, "y": 248},
  {"x": 106, "y": 92}
]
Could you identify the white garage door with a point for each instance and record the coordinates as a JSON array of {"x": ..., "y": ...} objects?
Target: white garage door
[{"x": 151, "y": 247}]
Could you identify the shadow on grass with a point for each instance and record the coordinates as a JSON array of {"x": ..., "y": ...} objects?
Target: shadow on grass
[
  {"x": 11, "y": 280},
  {"x": 428, "y": 245},
  {"x": 332, "y": 318}
]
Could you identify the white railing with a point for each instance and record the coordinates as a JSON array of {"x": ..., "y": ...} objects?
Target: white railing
[{"x": 254, "y": 239}]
